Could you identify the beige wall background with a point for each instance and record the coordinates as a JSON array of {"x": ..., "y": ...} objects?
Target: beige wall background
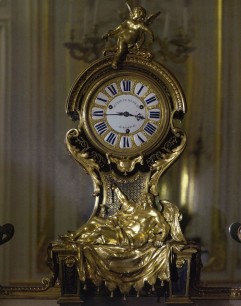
[{"x": 43, "y": 192}]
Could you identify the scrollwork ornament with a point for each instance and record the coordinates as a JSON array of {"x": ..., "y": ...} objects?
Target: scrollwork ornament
[
  {"x": 83, "y": 158},
  {"x": 161, "y": 160},
  {"x": 10, "y": 290}
]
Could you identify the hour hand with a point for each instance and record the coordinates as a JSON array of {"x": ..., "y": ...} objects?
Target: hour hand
[
  {"x": 127, "y": 114},
  {"x": 139, "y": 117}
]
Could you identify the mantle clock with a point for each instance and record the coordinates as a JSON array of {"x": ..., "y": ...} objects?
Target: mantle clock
[{"x": 125, "y": 104}]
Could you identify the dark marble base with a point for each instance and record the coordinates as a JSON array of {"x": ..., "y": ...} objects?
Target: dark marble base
[{"x": 116, "y": 301}]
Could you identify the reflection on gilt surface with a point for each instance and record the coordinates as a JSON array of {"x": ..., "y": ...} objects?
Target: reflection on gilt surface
[{"x": 130, "y": 247}]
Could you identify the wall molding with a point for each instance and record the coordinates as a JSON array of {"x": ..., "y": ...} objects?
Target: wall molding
[{"x": 4, "y": 138}]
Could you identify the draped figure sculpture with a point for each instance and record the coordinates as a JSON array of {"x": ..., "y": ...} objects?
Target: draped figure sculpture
[{"x": 129, "y": 247}]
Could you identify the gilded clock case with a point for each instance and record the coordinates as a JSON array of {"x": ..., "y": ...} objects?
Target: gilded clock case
[{"x": 100, "y": 72}]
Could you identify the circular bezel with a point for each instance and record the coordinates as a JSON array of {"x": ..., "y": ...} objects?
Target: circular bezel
[{"x": 100, "y": 72}]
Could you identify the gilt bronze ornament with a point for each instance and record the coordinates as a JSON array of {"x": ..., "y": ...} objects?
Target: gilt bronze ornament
[
  {"x": 126, "y": 105},
  {"x": 131, "y": 35}
]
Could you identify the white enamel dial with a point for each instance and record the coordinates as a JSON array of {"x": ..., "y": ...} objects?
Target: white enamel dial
[{"x": 127, "y": 114}]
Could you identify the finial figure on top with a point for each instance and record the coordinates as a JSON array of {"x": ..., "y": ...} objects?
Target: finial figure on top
[{"x": 131, "y": 35}]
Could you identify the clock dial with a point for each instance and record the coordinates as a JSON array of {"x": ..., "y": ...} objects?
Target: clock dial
[{"x": 127, "y": 114}]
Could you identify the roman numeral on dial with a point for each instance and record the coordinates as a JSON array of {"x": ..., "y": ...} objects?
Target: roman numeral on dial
[
  {"x": 101, "y": 99},
  {"x": 154, "y": 114},
  {"x": 125, "y": 142},
  {"x": 112, "y": 89},
  {"x": 97, "y": 113},
  {"x": 150, "y": 128},
  {"x": 111, "y": 138},
  {"x": 151, "y": 99},
  {"x": 101, "y": 127},
  {"x": 139, "y": 139},
  {"x": 140, "y": 89},
  {"x": 126, "y": 85}
]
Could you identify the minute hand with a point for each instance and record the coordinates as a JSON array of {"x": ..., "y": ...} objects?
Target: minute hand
[{"x": 116, "y": 114}]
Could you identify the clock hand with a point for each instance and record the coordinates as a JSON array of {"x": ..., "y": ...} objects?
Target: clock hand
[
  {"x": 127, "y": 114},
  {"x": 138, "y": 116},
  {"x": 117, "y": 114}
]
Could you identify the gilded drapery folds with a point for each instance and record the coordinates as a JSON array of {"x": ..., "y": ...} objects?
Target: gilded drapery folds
[{"x": 130, "y": 247}]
